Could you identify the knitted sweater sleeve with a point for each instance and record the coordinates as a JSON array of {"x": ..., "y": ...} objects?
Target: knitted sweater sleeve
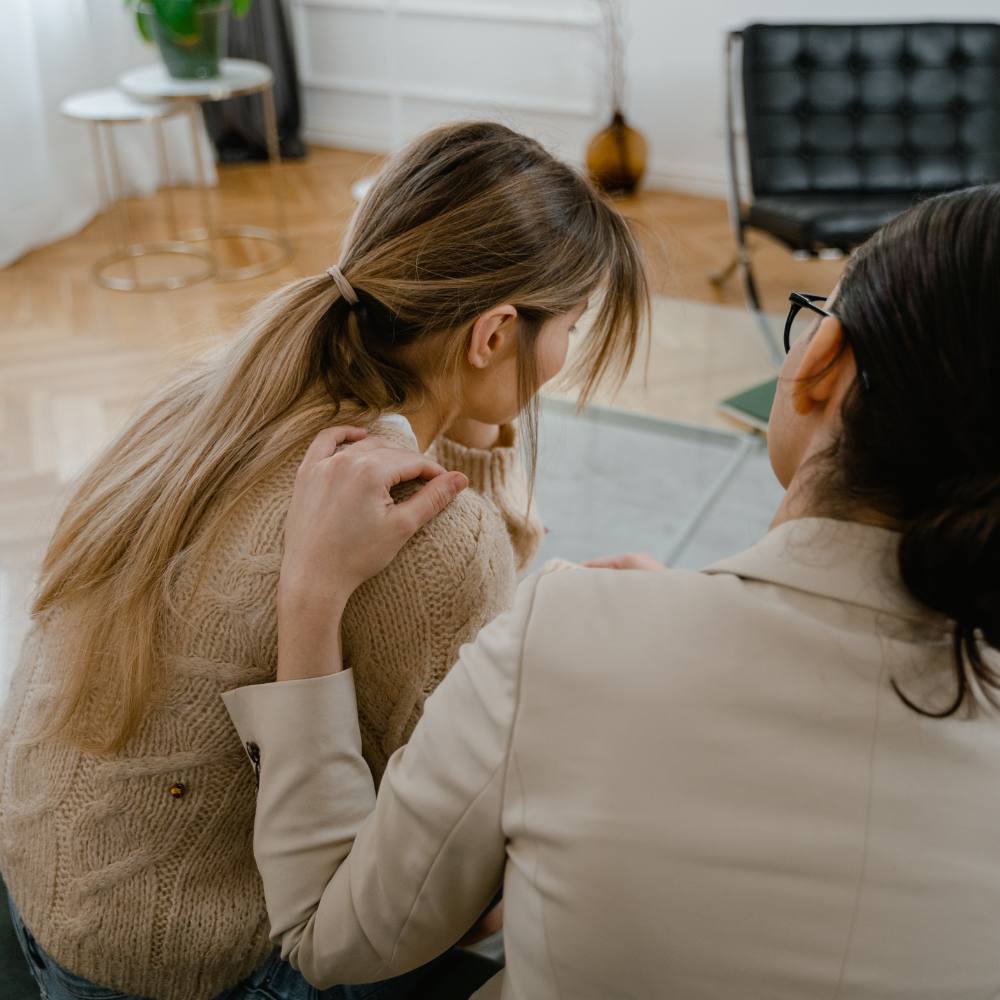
[
  {"x": 402, "y": 630},
  {"x": 497, "y": 473}
]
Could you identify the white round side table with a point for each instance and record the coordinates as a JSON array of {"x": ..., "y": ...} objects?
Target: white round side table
[
  {"x": 108, "y": 108},
  {"x": 237, "y": 78}
]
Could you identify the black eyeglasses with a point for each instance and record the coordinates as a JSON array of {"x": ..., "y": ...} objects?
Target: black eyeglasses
[
  {"x": 804, "y": 300},
  {"x": 800, "y": 301}
]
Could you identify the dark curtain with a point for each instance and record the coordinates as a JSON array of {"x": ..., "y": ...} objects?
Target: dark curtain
[{"x": 237, "y": 126}]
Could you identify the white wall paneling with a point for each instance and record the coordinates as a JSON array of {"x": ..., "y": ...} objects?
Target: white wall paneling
[{"x": 376, "y": 72}]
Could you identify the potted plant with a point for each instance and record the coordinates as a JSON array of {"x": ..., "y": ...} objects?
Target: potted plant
[
  {"x": 616, "y": 156},
  {"x": 190, "y": 34}
]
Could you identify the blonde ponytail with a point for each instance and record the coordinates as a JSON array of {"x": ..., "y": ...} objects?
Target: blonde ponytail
[{"x": 468, "y": 217}]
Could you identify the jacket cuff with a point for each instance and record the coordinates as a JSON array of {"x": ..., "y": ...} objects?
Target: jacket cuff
[
  {"x": 316, "y": 717},
  {"x": 486, "y": 468}
]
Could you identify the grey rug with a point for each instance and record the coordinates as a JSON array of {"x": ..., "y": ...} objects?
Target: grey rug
[{"x": 611, "y": 482}]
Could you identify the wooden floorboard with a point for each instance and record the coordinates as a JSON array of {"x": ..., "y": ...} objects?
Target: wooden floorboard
[{"x": 76, "y": 358}]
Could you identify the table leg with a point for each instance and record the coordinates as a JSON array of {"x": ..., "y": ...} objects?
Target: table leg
[
  {"x": 102, "y": 187},
  {"x": 166, "y": 180},
  {"x": 124, "y": 248},
  {"x": 211, "y": 230},
  {"x": 274, "y": 157},
  {"x": 194, "y": 116},
  {"x": 122, "y": 209}
]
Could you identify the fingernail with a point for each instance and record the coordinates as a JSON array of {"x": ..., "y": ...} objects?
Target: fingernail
[{"x": 459, "y": 481}]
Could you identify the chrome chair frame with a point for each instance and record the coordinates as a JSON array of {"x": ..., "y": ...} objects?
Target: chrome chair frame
[{"x": 735, "y": 198}]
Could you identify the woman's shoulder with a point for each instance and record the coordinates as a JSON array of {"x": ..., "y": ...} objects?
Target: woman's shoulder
[
  {"x": 452, "y": 577},
  {"x": 256, "y": 522},
  {"x": 632, "y": 598},
  {"x": 468, "y": 536},
  {"x": 471, "y": 529}
]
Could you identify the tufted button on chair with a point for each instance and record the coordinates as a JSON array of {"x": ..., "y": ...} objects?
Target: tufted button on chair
[
  {"x": 846, "y": 126},
  {"x": 804, "y": 62}
]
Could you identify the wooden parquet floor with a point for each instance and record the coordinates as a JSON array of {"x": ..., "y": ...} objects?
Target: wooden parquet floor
[{"x": 75, "y": 358}]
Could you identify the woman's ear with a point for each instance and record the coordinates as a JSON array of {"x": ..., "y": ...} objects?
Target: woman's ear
[
  {"x": 492, "y": 335},
  {"x": 825, "y": 362}
]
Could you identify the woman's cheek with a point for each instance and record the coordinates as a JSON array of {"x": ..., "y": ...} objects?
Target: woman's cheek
[
  {"x": 781, "y": 433},
  {"x": 553, "y": 356}
]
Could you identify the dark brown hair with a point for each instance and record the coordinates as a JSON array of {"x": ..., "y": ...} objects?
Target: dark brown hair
[{"x": 919, "y": 304}]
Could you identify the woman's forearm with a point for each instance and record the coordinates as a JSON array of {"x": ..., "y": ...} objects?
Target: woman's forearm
[
  {"x": 309, "y": 612},
  {"x": 323, "y": 561},
  {"x": 309, "y": 633}
]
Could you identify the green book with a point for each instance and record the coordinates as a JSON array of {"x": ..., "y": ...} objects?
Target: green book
[{"x": 752, "y": 406}]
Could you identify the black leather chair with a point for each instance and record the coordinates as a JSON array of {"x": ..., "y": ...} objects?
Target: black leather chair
[{"x": 847, "y": 125}]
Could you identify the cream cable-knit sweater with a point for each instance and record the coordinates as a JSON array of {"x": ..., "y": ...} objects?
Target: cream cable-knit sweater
[{"x": 157, "y": 895}]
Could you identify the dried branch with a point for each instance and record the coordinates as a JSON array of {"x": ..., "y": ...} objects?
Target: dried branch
[{"x": 611, "y": 12}]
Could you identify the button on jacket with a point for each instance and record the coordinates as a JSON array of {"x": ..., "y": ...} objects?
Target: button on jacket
[{"x": 692, "y": 785}]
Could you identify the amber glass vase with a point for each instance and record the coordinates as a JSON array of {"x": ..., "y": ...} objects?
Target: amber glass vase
[{"x": 616, "y": 157}]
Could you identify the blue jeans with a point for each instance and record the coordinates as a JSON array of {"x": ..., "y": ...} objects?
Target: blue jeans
[{"x": 457, "y": 974}]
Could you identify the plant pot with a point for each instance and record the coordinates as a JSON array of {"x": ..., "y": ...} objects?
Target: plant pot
[
  {"x": 195, "y": 56},
  {"x": 616, "y": 157}
]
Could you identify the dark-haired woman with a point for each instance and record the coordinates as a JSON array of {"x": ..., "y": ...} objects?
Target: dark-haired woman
[{"x": 776, "y": 778}]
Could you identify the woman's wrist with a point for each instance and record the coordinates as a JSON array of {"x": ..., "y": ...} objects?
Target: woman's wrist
[
  {"x": 309, "y": 632},
  {"x": 304, "y": 600}
]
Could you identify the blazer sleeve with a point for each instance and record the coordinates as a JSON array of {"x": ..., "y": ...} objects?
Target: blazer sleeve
[
  {"x": 498, "y": 475},
  {"x": 358, "y": 888}
]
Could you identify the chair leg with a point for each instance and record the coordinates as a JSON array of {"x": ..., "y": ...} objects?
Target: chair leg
[
  {"x": 718, "y": 278},
  {"x": 774, "y": 349}
]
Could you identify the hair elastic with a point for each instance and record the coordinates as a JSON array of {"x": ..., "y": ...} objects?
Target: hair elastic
[{"x": 350, "y": 296}]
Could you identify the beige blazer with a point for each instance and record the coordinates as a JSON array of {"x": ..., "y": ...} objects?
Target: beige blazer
[{"x": 693, "y": 785}]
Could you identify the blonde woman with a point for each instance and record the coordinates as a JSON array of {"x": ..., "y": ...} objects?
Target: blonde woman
[{"x": 126, "y": 806}]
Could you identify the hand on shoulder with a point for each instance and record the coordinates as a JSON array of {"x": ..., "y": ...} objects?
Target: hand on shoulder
[{"x": 343, "y": 527}]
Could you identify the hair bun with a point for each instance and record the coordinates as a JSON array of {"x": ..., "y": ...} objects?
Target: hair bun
[{"x": 950, "y": 557}]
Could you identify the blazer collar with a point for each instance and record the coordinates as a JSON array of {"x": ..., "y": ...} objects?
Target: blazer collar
[{"x": 842, "y": 560}]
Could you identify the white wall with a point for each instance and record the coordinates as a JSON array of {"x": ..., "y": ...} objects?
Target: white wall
[
  {"x": 48, "y": 185},
  {"x": 376, "y": 72}
]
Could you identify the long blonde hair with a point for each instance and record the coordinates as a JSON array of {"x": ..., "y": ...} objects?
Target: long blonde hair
[{"x": 469, "y": 216}]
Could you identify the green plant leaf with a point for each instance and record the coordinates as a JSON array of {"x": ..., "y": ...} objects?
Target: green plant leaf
[
  {"x": 179, "y": 17},
  {"x": 240, "y": 7}
]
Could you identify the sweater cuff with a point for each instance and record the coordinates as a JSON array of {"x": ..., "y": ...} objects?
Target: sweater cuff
[{"x": 487, "y": 469}]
